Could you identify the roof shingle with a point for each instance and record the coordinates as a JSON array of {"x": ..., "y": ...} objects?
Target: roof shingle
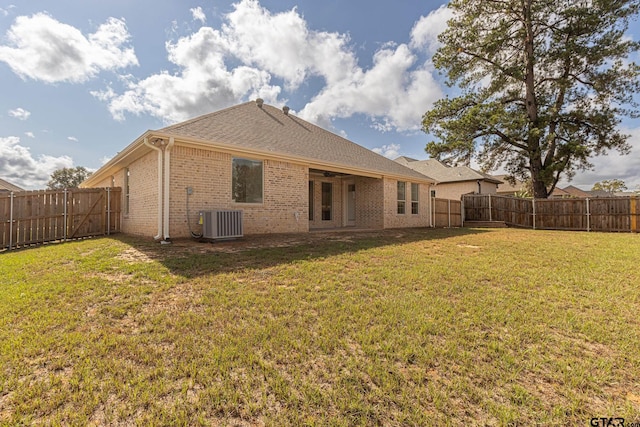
[{"x": 269, "y": 129}]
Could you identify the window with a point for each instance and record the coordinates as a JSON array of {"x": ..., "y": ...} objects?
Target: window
[
  {"x": 126, "y": 191},
  {"x": 311, "y": 200},
  {"x": 433, "y": 193},
  {"x": 246, "y": 181},
  {"x": 415, "y": 190},
  {"x": 327, "y": 198},
  {"x": 402, "y": 196}
]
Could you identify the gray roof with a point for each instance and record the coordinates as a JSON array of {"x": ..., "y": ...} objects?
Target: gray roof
[
  {"x": 7, "y": 186},
  {"x": 443, "y": 173},
  {"x": 268, "y": 129}
]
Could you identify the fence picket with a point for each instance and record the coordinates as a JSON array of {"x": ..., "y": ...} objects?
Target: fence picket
[
  {"x": 32, "y": 217},
  {"x": 592, "y": 214}
]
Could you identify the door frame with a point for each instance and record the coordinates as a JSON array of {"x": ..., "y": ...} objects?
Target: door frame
[{"x": 345, "y": 203}]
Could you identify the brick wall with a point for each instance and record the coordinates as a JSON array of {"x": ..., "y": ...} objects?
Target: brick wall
[
  {"x": 142, "y": 218},
  {"x": 369, "y": 203},
  {"x": 394, "y": 220},
  {"x": 208, "y": 173}
]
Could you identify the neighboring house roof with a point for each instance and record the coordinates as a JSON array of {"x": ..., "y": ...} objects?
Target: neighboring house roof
[
  {"x": 443, "y": 173},
  {"x": 404, "y": 160},
  {"x": 260, "y": 129},
  {"x": 575, "y": 191},
  {"x": 7, "y": 186},
  {"x": 559, "y": 192}
]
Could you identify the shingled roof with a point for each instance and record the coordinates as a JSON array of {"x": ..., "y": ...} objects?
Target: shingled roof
[
  {"x": 7, "y": 186},
  {"x": 264, "y": 128},
  {"x": 443, "y": 173}
]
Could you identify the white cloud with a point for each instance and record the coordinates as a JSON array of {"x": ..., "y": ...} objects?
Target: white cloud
[
  {"x": 265, "y": 47},
  {"x": 42, "y": 48},
  {"x": 391, "y": 151},
  {"x": 198, "y": 14},
  {"x": 5, "y": 12},
  {"x": 72, "y": 139},
  {"x": 424, "y": 34},
  {"x": 18, "y": 166},
  {"x": 20, "y": 113},
  {"x": 393, "y": 93},
  {"x": 30, "y": 134}
]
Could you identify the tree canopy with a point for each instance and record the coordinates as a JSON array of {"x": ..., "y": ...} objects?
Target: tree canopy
[
  {"x": 543, "y": 86},
  {"x": 610, "y": 185},
  {"x": 68, "y": 178}
]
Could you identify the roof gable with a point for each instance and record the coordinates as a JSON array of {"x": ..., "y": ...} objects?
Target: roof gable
[{"x": 7, "y": 186}]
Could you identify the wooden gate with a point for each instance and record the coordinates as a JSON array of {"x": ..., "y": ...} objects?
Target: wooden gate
[{"x": 32, "y": 217}]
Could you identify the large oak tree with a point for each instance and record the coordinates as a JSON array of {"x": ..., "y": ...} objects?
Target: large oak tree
[{"x": 543, "y": 85}]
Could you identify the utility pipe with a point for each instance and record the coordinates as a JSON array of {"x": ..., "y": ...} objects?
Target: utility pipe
[
  {"x": 150, "y": 145},
  {"x": 167, "y": 179}
]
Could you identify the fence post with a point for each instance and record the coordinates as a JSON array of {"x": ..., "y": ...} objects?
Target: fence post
[
  {"x": 449, "y": 211},
  {"x": 533, "y": 203},
  {"x": 11, "y": 221},
  {"x": 64, "y": 231},
  {"x": 462, "y": 210},
  {"x": 633, "y": 204},
  {"x": 490, "y": 216},
  {"x": 588, "y": 215}
]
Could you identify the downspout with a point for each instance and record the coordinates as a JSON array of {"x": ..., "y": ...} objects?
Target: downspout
[
  {"x": 150, "y": 145},
  {"x": 429, "y": 201},
  {"x": 167, "y": 179}
]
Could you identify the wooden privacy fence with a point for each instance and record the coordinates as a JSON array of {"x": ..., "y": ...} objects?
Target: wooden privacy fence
[
  {"x": 589, "y": 214},
  {"x": 446, "y": 213},
  {"x": 31, "y": 217}
]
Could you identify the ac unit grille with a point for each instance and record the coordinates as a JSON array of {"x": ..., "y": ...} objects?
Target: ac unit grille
[{"x": 222, "y": 224}]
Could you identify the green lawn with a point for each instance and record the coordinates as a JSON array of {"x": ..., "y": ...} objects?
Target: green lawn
[{"x": 413, "y": 327}]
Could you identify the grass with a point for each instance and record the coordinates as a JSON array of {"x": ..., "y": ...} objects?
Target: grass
[{"x": 413, "y": 327}]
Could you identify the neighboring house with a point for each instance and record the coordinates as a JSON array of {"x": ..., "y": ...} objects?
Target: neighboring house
[
  {"x": 508, "y": 189},
  {"x": 285, "y": 174},
  {"x": 452, "y": 182},
  {"x": 6, "y": 187},
  {"x": 571, "y": 191}
]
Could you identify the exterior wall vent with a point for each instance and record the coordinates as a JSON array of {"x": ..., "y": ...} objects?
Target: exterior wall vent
[{"x": 222, "y": 224}]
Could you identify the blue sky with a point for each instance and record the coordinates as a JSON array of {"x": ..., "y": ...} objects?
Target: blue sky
[{"x": 81, "y": 79}]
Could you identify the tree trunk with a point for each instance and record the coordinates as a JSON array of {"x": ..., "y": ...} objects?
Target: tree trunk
[{"x": 538, "y": 184}]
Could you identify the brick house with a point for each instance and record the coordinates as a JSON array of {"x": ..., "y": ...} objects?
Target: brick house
[{"x": 283, "y": 173}]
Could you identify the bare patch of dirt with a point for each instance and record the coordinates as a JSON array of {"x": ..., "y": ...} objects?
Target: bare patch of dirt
[{"x": 193, "y": 246}]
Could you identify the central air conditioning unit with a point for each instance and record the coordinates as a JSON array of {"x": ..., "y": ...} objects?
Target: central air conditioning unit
[{"x": 221, "y": 224}]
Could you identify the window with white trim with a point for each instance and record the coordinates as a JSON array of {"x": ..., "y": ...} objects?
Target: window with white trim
[
  {"x": 127, "y": 174},
  {"x": 415, "y": 198},
  {"x": 327, "y": 201},
  {"x": 311, "y": 197},
  {"x": 402, "y": 197}
]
